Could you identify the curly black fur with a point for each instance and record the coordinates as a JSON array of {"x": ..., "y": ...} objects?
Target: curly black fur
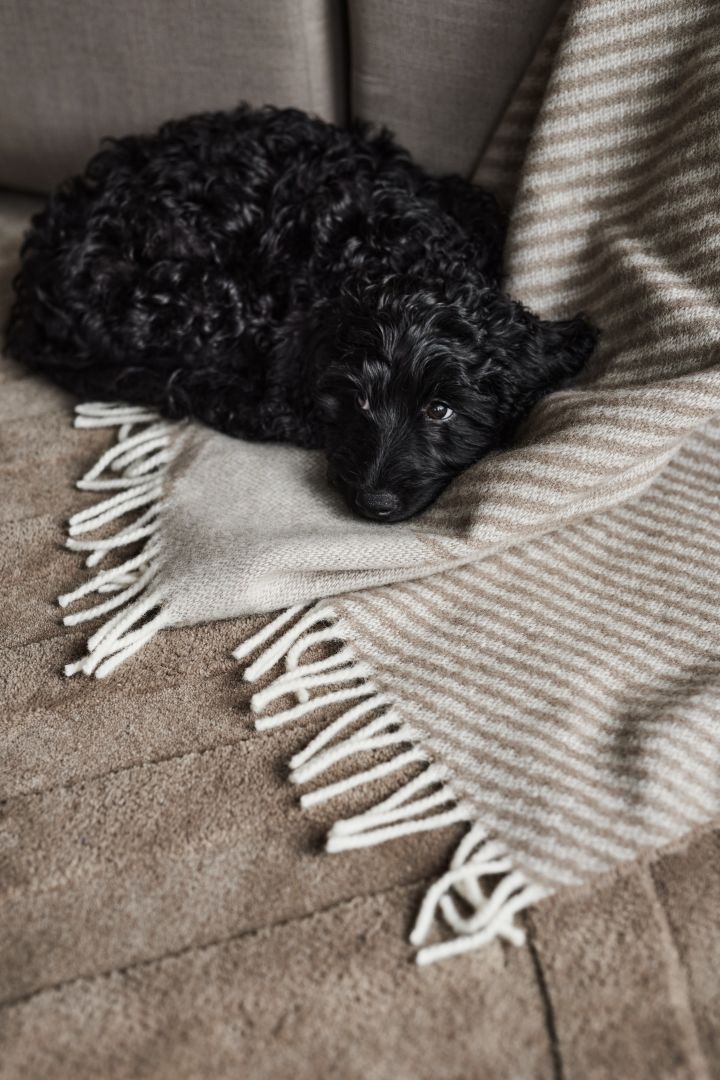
[{"x": 281, "y": 278}]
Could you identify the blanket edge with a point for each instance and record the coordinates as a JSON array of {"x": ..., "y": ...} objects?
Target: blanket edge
[
  {"x": 129, "y": 478},
  {"x": 482, "y": 891}
]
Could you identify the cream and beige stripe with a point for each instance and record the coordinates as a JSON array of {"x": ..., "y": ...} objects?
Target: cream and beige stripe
[
  {"x": 572, "y": 683},
  {"x": 615, "y": 214},
  {"x": 571, "y": 680}
]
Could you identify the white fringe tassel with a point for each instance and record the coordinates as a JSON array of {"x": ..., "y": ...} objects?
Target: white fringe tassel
[
  {"x": 481, "y": 892},
  {"x": 134, "y": 469}
]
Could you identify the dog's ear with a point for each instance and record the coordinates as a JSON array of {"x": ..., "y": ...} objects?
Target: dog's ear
[
  {"x": 564, "y": 347},
  {"x": 545, "y": 356}
]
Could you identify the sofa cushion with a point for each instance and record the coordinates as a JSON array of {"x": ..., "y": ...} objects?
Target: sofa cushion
[
  {"x": 440, "y": 74},
  {"x": 73, "y": 72}
]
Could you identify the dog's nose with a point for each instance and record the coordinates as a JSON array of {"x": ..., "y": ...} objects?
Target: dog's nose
[{"x": 377, "y": 504}]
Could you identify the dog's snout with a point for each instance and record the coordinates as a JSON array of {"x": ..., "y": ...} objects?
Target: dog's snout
[{"x": 377, "y": 504}]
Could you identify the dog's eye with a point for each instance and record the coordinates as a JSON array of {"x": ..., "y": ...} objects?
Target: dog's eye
[
  {"x": 438, "y": 410},
  {"x": 363, "y": 403}
]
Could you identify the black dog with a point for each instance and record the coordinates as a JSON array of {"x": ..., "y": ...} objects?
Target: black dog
[{"x": 280, "y": 278}]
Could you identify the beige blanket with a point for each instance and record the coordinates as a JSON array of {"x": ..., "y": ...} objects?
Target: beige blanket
[{"x": 550, "y": 669}]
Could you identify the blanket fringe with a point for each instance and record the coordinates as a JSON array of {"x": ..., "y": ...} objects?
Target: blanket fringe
[
  {"x": 134, "y": 471},
  {"x": 481, "y": 892}
]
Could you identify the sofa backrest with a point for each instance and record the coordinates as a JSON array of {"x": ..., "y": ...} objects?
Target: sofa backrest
[
  {"x": 76, "y": 70},
  {"x": 437, "y": 72}
]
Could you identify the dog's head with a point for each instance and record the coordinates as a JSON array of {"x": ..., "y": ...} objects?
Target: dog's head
[{"x": 419, "y": 381}]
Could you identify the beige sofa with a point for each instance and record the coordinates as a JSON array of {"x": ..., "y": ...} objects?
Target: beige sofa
[{"x": 165, "y": 909}]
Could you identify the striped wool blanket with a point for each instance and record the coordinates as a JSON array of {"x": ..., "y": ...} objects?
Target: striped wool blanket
[{"x": 537, "y": 655}]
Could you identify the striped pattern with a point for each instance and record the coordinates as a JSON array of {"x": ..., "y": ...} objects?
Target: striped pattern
[
  {"x": 571, "y": 681},
  {"x": 616, "y": 214}
]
